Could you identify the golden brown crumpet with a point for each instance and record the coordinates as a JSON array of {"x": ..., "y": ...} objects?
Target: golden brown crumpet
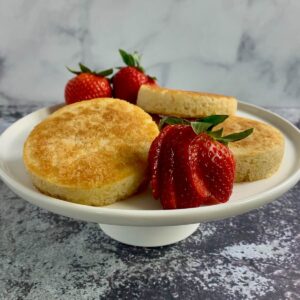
[
  {"x": 91, "y": 152},
  {"x": 185, "y": 104},
  {"x": 259, "y": 155}
]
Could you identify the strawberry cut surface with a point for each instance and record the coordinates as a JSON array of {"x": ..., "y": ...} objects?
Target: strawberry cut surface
[
  {"x": 187, "y": 196},
  {"x": 217, "y": 166},
  {"x": 166, "y": 175},
  {"x": 154, "y": 161}
]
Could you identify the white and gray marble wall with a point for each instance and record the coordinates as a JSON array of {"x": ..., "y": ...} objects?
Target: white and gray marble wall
[{"x": 250, "y": 49}]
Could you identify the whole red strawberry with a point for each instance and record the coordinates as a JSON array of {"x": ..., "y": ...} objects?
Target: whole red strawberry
[
  {"x": 191, "y": 165},
  {"x": 128, "y": 80},
  {"x": 87, "y": 85}
]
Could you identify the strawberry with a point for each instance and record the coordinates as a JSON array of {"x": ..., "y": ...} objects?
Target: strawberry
[
  {"x": 128, "y": 80},
  {"x": 87, "y": 85},
  {"x": 217, "y": 166},
  {"x": 191, "y": 165}
]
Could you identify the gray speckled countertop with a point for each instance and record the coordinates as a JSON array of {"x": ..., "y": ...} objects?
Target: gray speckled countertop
[{"x": 47, "y": 256}]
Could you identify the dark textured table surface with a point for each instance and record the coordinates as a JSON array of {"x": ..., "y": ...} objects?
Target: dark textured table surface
[{"x": 47, "y": 256}]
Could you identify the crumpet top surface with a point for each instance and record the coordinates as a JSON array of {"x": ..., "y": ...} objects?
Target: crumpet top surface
[
  {"x": 90, "y": 143},
  {"x": 263, "y": 137}
]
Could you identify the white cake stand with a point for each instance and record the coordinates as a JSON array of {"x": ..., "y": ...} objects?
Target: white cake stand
[{"x": 139, "y": 220}]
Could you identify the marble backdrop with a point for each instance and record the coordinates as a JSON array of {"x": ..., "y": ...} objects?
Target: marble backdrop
[{"x": 250, "y": 49}]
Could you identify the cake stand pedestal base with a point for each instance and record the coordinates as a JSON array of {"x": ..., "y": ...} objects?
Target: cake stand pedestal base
[{"x": 153, "y": 236}]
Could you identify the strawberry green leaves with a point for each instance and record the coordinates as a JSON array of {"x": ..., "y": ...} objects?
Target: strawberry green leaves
[
  {"x": 85, "y": 69},
  {"x": 206, "y": 125},
  {"x": 73, "y": 71},
  {"x": 104, "y": 73},
  {"x": 172, "y": 121},
  {"x": 235, "y": 136},
  {"x": 131, "y": 60},
  {"x": 200, "y": 127},
  {"x": 216, "y": 134},
  {"x": 128, "y": 59},
  {"x": 214, "y": 120}
]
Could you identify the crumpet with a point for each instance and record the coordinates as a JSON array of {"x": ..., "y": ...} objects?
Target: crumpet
[
  {"x": 259, "y": 155},
  {"x": 185, "y": 104},
  {"x": 92, "y": 152}
]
